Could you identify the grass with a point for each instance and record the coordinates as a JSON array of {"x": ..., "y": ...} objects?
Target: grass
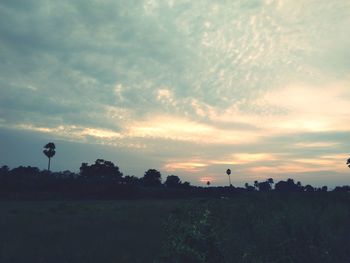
[
  {"x": 252, "y": 227},
  {"x": 284, "y": 228},
  {"x": 91, "y": 231}
]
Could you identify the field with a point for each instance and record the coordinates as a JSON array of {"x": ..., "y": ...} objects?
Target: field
[{"x": 251, "y": 227}]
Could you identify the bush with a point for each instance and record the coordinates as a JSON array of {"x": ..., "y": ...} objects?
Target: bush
[{"x": 191, "y": 238}]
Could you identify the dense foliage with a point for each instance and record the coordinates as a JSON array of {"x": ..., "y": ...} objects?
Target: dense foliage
[{"x": 103, "y": 179}]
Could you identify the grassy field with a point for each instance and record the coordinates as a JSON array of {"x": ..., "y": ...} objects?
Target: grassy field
[
  {"x": 252, "y": 227},
  {"x": 84, "y": 231}
]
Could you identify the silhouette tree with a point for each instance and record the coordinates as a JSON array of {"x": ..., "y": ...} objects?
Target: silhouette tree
[
  {"x": 101, "y": 169},
  {"x": 4, "y": 170},
  {"x": 172, "y": 181},
  {"x": 208, "y": 183},
  {"x": 256, "y": 185},
  {"x": 288, "y": 186},
  {"x": 344, "y": 188},
  {"x": 348, "y": 162},
  {"x": 249, "y": 187},
  {"x": 49, "y": 151},
  {"x": 264, "y": 186},
  {"x": 131, "y": 180},
  {"x": 270, "y": 181},
  {"x": 152, "y": 177},
  {"x": 186, "y": 185},
  {"x": 308, "y": 188},
  {"x": 228, "y": 172}
]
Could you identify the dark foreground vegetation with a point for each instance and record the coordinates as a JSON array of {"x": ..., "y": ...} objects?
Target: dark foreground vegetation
[
  {"x": 104, "y": 180},
  {"x": 248, "y": 227},
  {"x": 101, "y": 215}
]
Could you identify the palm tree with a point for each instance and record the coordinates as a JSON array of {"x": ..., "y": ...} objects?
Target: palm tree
[
  {"x": 348, "y": 162},
  {"x": 228, "y": 171},
  {"x": 49, "y": 151}
]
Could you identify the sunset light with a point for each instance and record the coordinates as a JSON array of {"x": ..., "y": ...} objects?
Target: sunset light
[
  {"x": 187, "y": 87},
  {"x": 166, "y": 131}
]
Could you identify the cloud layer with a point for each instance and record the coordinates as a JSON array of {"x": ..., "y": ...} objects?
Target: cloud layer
[{"x": 262, "y": 87}]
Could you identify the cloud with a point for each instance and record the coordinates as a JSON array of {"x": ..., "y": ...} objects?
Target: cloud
[
  {"x": 185, "y": 166},
  {"x": 213, "y": 83}
]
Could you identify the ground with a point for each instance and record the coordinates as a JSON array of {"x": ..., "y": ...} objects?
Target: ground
[{"x": 251, "y": 227}]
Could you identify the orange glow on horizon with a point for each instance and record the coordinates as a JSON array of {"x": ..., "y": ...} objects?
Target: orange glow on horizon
[
  {"x": 186, "y": 166},
  {"x": 206, "y": 179},
  {"x": 182, "y": 129}
]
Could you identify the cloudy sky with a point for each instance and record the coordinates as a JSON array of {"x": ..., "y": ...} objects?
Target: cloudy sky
[{"x": 186, "y": 87}]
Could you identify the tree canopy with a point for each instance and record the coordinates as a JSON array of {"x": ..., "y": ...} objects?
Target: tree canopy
[
  {"x": 101, "y": 169},
  {"x": 152, "y": 177},
  {"x": 172, "y": 181}
]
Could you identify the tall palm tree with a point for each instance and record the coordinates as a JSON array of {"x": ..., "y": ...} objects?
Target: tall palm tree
[
  {"x": 228, "y": 172},
  {"x": 49, "y": 151}
]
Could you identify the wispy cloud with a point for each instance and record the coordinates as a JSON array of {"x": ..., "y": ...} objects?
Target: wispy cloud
[{"x": 198, "y": 85}]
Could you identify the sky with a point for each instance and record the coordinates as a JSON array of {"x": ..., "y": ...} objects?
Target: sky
[{"x": 186, "y": 87}]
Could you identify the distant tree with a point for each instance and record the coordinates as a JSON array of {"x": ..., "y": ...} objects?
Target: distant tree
[
  {"x": 249, "y": 187},
  {"x": 186, "y": 185},
  {"x": 172, "y": 181},
  {"x": 28, "y": 171},
  {"x": 308, "y": 188},
  {"x": 256, "y": 185},
  {"x": 84, "y": 170},
  {"x": 208, "y": 183},
  {"x": 66, "y": 174},
  {"x": 4, "y": 170},
  {"x": 324, "y": 188},
  {"x": 228, "y": 172},
  {"x": 101, "y": 169},
  {"x": 152, "y": 177},
  {"x": 348, "y": 162},
  {"x": 344, "y": 188},
  {"x": 288, "y": 186},
  {"x": 131, "y": 179},
  {"x": 265, "y": 186},
  {"x": 49, "y": 151}
]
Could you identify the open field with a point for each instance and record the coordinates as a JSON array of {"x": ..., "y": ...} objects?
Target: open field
[
  {"x": 251, "y": 227},
  {"x": 86, "y": 231}
]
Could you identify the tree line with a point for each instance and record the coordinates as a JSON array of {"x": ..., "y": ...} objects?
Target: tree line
[{"x": 103, "y": 179}]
